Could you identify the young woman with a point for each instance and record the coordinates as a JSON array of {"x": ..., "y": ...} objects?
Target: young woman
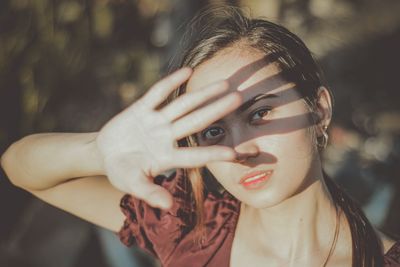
[{"x": 243, "y": 126}]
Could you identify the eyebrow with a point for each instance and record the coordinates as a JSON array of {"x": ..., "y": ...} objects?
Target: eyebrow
[
  {"x": 255, "y": 99},
  {"x": 251, "y": 102}
]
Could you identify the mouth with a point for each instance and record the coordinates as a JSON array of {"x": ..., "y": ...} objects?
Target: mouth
[{"x": 255, "y": 180}]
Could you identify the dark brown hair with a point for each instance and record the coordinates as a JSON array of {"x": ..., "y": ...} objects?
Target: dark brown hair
[{"x": 218, "y": 28}]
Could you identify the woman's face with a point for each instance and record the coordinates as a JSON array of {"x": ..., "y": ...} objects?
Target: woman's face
[{"x": 271, "y": 135}]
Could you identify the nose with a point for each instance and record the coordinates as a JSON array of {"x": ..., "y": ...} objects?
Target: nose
[{"x": 245, "y": 151}]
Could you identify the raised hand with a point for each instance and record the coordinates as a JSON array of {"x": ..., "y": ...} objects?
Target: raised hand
[{"x": 140, "y": 142}]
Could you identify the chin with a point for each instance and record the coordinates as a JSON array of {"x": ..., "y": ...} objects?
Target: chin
[
  {"x": 261, "y": 204},
  {"x": 259, "y": 200}
]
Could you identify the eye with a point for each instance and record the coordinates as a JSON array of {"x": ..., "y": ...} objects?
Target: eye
[
  {"x": 260, "y": 113},
  {"x": 212, "y": 133}
]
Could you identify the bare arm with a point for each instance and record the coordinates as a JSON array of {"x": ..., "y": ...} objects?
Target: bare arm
[
  {"x": 41, "y": 161},
  {"x": 65, "y": 170}
]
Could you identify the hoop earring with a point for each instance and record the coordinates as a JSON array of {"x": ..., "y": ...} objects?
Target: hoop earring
[{"x": 324, "y": 138}]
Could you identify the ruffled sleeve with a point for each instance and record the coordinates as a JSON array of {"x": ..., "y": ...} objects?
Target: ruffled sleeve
[
  {"x": 168, "y": 234},
  {"x": 392, "y": 257},
  {"x": 145, "y": 225}
]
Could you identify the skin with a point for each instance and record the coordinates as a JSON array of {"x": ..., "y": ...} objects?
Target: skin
[{"x": 293, "y": 208}]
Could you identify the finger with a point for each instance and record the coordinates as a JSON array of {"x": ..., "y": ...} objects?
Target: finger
[
  {"x": 201, "y": 118},
  {"x": 154, "y": 195},
  {"x": 161, "y": 90},
  {"x": 189, "y": 101},
  {"x": 194, "y": 157}
]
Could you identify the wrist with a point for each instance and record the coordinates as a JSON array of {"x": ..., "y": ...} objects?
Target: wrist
[{"x": 97, "y": 166}]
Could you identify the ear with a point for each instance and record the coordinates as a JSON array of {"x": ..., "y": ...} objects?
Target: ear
[{"x": 323, "y": 109}]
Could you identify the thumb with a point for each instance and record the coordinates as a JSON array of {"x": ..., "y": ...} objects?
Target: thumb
[
  {"x": 160, "y": 198},
  {"x": 154, "y": 195}
]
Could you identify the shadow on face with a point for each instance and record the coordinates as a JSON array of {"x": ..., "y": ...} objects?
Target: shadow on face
[{"x": 260, "y": 81}]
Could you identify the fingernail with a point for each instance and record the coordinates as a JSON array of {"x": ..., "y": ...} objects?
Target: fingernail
[
  {"x": 160, "y": 202},
  {"x": 164, "y": 205}
]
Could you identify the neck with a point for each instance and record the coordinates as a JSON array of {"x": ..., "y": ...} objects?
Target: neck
[{"x": 302, "y": 226}]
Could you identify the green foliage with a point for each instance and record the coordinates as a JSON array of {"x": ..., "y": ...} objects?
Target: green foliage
[{"x": 50, "y": 50}]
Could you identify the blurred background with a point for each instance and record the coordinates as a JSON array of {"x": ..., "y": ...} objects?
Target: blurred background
[{"x": 72, "y": 65}]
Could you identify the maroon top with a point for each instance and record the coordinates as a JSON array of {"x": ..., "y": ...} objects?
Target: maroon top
[{"x": 168, "y": 236}]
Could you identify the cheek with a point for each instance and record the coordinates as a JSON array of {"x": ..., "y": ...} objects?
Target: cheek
[
  {"x": 294, "y": 145},
  {"x": 222, "y": 171},
  {"x": 296, "y": 154}
]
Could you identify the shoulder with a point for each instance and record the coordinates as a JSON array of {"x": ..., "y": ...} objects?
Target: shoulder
[
  {"x": 387, "y": 242},
  {"x": 391, "y": 250},
  {"x": 392, "y": 256}
]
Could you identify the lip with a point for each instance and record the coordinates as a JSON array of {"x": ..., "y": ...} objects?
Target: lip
[{"x": 264, "y": 175}]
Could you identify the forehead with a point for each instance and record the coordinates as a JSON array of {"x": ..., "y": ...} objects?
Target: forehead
[{"x": 244, "y": 68}]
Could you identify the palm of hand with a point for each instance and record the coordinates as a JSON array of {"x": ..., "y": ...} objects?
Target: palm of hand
[{"x": 140, "y": 142}]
